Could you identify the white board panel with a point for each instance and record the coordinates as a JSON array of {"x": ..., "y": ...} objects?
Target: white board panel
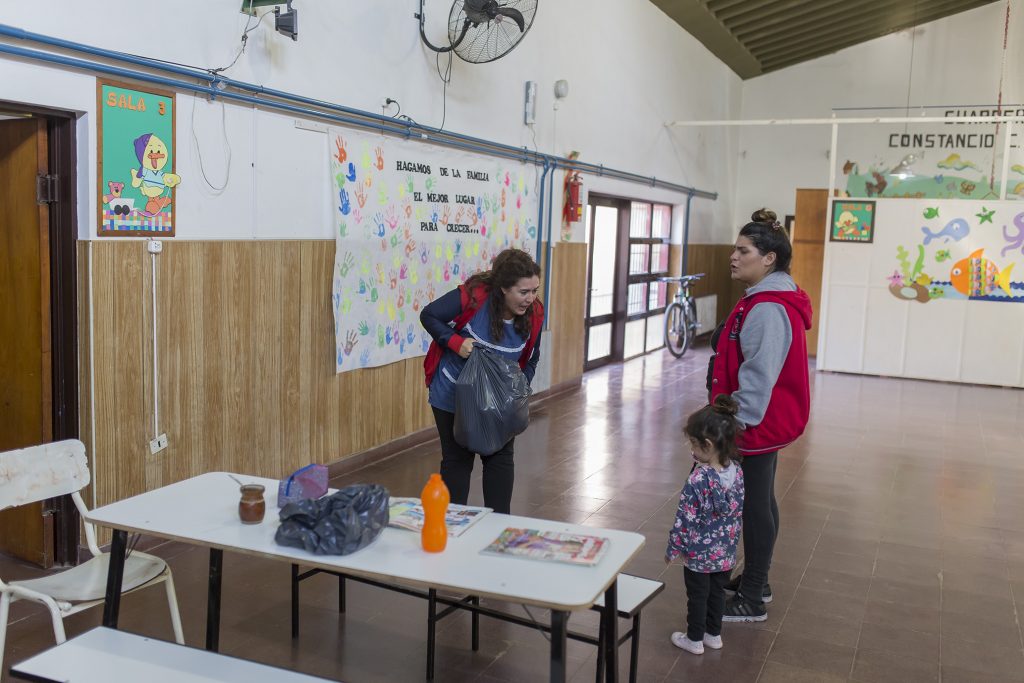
[
  {"x": 943, "y": 287},
  {"x": 884, "y": 333},
  {"x": 845, "y": 328},
  {"x": 935, "y": 340},
  {"x": 850, "y": 264},
  {"x": 993, "y": 344}
]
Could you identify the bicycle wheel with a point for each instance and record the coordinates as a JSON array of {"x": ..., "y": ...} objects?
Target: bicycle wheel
[{"x": 677, "y": 330}]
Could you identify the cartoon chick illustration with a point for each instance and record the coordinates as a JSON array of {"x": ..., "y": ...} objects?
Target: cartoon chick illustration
[
  {"x": 978, "y": 276},
  {"x": 150, "y": 177},
  {"x": 847, "y": 223}
]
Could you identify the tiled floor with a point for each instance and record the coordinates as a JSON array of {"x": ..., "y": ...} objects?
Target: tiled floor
[{"x": 900, "y": 558}]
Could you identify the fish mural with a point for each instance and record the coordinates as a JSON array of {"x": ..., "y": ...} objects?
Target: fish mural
[
  {"x": 977, "y": 276},
  {"x": 943, "y": 255},
  {"x": 955, "y": 230},
  {"x": 931, "y": 212}
]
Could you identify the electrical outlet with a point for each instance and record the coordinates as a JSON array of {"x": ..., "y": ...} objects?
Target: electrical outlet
[
  {"x": 158, "y": 444},
  {"x": 154, "y": 246}
]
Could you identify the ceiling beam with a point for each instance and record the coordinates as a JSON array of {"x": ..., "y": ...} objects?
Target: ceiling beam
[
  {"x": 863, "y": 30},
  {"x": 717, "y": 5},
  {"x": 771, "y": 28},
  {"x": 756, "y": 36},
  {"x": 753, "y": 10},
  {"x": 702, "y": 25},
  {"x": 810, "y": 51},
  {"x": 890, "y": 12}
]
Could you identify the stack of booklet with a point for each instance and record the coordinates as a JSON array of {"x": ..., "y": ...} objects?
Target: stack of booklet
[
  {"x": 407, "y": 513},
  {"x": 551, "y": 546}
]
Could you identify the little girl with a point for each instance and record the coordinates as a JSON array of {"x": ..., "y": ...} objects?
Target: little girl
[{"x": 708, "y": 521}]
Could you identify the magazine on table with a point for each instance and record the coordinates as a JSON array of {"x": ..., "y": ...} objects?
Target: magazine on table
[
  {"x": 551, "y": 546},
  {"x": 407, "y": 513}
]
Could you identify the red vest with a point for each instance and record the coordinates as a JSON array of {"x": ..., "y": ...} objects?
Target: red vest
[
  {"x": 471, "y": 303},
  {"x": 790, "y": 403}
]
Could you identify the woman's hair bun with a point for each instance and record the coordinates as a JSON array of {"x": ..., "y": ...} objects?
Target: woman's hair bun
[
  {"x": 763, "y": 215},
  {"x": 726, "y": 404}
]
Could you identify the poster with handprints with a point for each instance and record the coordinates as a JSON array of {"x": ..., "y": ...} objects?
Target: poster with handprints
[{"x": 412, "y": 221}]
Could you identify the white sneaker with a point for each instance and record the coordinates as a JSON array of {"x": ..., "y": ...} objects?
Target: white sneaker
[
  {"x": 714, "y": 642},
  {"x": 683, "y": 643}
]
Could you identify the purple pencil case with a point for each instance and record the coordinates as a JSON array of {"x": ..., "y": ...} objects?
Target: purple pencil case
[{"x": 307, "y": 482}]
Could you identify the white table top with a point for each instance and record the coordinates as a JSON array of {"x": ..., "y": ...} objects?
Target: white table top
[
  {"x": 103, "y": 655},
  {"x": 204, "y": 511}
]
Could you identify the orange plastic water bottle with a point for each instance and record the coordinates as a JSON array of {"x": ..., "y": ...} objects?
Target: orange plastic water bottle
[{"x": 435, "y": 500}]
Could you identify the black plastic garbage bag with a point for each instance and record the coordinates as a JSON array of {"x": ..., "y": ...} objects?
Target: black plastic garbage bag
[
  {"x": 339, "y": 524},
  {"x": 492, "y": 402}
]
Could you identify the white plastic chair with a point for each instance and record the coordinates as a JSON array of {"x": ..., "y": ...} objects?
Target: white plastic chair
[{"x": 55, "y": 469}]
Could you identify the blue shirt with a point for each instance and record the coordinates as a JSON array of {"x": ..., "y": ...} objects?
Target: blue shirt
[{"x": 442, "y": 388}]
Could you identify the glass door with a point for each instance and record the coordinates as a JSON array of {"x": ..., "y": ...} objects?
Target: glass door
[
  {"x": 602, "y": 230},
  {"x": 628, "y": 247}
]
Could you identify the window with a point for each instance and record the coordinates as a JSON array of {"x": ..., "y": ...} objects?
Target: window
[{"x": 650, "y": 226}]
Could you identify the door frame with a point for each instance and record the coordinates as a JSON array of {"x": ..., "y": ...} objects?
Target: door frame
[
  {"x": 616, "y": 317},
  {"x": 63, "y": 240}
]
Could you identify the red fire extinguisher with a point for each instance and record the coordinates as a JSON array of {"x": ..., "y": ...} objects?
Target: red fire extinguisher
[{"x": 572, "y": 207}]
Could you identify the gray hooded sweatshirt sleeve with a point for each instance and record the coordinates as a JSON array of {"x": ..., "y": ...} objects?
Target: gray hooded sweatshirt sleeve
[{"x": 765, "y": 340}]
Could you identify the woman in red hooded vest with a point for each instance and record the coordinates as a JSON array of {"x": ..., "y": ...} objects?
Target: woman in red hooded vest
[
  {"x": 498, "y": 309},
  {"x": 761, "y": 360}
]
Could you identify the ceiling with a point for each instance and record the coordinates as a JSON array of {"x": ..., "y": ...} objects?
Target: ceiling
[{"x": 757, "y": 36}]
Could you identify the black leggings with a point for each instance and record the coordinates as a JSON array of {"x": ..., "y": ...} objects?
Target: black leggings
[
  {"x": 705, "y": 602},
  {"x": 457, "y": 467},
  {"x": 760, "y": 523}
]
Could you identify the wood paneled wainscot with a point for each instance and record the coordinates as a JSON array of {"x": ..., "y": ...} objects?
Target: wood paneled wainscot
[{"x": 245, "y": 342}]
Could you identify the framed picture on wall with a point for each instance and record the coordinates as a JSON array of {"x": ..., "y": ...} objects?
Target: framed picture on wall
[
  {"x": 135, "y": 161},
  {"x": 852, "y": 221}
]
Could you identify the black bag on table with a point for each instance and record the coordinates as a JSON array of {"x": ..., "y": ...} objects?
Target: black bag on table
[
  {"x": 339, "y": 524},
  {"x": 492, "y": 402}
]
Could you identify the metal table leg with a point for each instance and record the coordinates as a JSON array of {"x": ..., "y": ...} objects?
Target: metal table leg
[
  {"x": 213, "y": 600},
  {"x": 610, "y": 622},
  {"x": 115, "y": 573},
  {"x": 559, "y": 627}
]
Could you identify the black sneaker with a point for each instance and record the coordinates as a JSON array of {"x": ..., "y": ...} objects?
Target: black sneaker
[
  {"x": 738, "y": 609},
  {"x": 733, "y": 587}
]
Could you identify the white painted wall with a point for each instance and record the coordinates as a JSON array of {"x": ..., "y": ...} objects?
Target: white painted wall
[
  {"x": 952, "y": 61},
  {"x": 630, "y": 69}
]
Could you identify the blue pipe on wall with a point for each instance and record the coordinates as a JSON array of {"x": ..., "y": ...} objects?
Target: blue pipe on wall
[
  {"x": 540, "y": 211},
  {"x": 550, "y": 251},
  {"x": 686, "y": 236},
  {"x": 366, "y": 119},
  {"x": 181, "y": 85}
]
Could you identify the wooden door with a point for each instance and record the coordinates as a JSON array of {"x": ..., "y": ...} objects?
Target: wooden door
[
  {"x": 25, "y": 355},
  {"x": 809, "y": 252}
]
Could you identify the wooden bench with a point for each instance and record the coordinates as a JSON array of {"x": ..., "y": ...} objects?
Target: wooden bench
[
  {"x": 634, "y": 593},
  {"x": 103, "y": 655}
]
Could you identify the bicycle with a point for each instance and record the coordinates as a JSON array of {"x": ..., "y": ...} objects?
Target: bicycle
[{"x": 681, "y": 316}]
